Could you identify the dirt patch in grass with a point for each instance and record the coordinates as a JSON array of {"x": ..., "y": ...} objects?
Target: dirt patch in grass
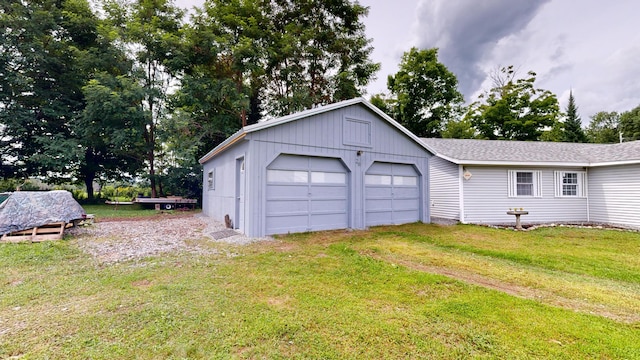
[{"x": 520, "y": 291}]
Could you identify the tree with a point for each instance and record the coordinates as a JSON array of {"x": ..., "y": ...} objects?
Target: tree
[
  {"x": 424, "y": 93},
  {"x": 40, "y": 88},
  {"x": 630, "y": 124},
  {"x": 289, "y": 55},
  {"x": 58, "y": 48},
  {"x": 461, "y": 129},
  {"x": 604, "y": 128},
  {"x": 110, "y": 129},
  {"x": 573, "y": 124},
  {"x": 320, "y": 54},
  {"x": 151, "y": 29},
  {"x": 514, "y": 109}
]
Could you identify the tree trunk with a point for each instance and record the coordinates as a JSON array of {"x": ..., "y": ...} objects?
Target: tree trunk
[
  {"x": 89, "y": 172},
  {"x": 88, "y": 182},
  {"x": 152, "y": 174}
]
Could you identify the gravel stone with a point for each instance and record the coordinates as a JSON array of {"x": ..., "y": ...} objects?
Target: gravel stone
[{"x": 116, "y": 241}]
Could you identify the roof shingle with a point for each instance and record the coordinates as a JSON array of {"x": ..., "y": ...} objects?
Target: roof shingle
[{"x": 463, "y": 151}]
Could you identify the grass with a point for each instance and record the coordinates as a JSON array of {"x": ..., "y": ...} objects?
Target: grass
[
  {"x": 334, "y": 295},
  {"x": 104, "y": 211}
]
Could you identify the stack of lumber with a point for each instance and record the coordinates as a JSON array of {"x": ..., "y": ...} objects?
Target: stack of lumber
[{"x": 53, "y": 231}]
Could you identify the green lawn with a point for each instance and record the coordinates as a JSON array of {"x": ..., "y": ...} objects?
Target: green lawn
[
  {"x": 334, "y": 295},
  {"x": 105, "y": 211}
]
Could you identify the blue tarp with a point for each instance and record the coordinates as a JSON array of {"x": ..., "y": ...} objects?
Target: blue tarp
[{"x": 28, "y": 209}]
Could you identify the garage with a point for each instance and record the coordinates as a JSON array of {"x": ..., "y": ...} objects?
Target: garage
[
  {"x": 306, "y": 193},
  {"x": 392, "y": 194}
]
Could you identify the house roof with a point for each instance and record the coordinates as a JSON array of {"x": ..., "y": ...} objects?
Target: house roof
[
  {"x": 527, "y": 153},
  {"x": 240, "y": 134}
]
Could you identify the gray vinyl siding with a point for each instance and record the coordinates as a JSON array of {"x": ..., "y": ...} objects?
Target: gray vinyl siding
[
  {"x": 486, "y": 198},
  {"x": 325, "y": 135},
  {"x": 353, "y": 135},
  {"x": 220, "y": 201},
  {"x": 614, "y": 195},
  {"x": 444, "y": 189}
]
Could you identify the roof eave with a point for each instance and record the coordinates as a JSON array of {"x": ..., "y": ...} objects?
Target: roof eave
[
  {"x": 239, "y": 135},
  {"x": 513, "y": 163},
  {"x": 613, "y": 163}
]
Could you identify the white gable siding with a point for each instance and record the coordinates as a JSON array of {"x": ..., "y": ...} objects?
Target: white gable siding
[
  {"x": 486, "y": 198},
  {"x": 614, "y": 195},
  {"x": 444, "y": 189}
]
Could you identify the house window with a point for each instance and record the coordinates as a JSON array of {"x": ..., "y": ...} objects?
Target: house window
[
  {"x": 570, "y": 184},
  {"x": 211, "y": 180},
  {"x": 525, "y": 183}
]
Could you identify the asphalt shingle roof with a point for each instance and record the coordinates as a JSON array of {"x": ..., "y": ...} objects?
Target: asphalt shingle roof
[{"x": 531, "y": 152}]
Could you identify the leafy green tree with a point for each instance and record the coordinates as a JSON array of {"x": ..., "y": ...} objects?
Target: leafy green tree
[
  {"x": 514, "y": 109},
  {"x": 40, "y": 88},
  {"x": 52, "y": 49},
  {"x": 424, "y": 93},
  {"x": 604, "y": 128},
  {"x": 573, "y": 124},
  {"x": 458, "y": 129},
  {"x": 288, "y": 55},
  {"x": 630, "y": 124},
  {"x": 151, "y": 28},
  {"x": 110, "y": 129}
]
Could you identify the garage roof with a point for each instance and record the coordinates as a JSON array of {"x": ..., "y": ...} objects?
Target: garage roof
[{"x": 304, "y": 114}]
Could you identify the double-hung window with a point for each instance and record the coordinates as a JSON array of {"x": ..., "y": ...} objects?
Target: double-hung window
[
  {"x": 570, "y": 184},
  {"x": 525, "y": 183}
]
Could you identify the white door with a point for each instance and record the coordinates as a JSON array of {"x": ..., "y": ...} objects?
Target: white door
[{"x": 240, "y": 189}]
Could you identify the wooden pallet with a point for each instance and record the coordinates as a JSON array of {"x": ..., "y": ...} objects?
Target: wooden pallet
[{"x": 53, "y": 231}]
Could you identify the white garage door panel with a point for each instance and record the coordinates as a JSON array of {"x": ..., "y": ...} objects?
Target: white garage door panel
[
  {"x": 306, "y": 194},
  {"x": 392, "y": 194}
]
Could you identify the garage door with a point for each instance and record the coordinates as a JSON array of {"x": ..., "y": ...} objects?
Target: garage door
[
  {"x": 306, "y": 193},
  {"x": 392, "y": 194}
]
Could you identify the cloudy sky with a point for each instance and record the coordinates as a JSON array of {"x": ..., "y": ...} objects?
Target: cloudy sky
[{"x": 590, "y": 46}]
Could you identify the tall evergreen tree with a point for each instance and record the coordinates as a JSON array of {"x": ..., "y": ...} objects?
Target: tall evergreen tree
[{"x": 573, "y": 124}]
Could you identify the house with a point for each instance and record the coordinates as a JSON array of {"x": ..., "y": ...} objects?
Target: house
[
  {"x": 344, "y": 165},
  {"x": 478, "y": 181}
]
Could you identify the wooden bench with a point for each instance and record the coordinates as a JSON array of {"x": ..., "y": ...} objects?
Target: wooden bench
[{"x": 53, "y": 231}]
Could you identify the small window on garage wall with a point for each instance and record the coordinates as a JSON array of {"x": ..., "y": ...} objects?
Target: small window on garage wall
[
  {"x": 211, "y": 179},
  {"x": 570, "y": 184}
]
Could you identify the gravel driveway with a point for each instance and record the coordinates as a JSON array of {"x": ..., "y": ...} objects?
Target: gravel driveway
[{"x": 114, "y": 241}]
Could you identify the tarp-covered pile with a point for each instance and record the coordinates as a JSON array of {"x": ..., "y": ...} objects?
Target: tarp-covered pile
[{"x": 28, "y": 209}]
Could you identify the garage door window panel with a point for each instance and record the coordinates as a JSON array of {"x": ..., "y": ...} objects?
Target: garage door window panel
[
  {"x": 287, "y": 176},
  {"x": 323, "y": 177},
  {"x": 377, "y": 179},
  {"x": 405, "y": 180}
]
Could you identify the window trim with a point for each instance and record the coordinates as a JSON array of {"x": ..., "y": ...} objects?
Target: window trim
[
  {"x": 211, "y": 179},
  {"x": 581, "y": 185},
  {"x": 512, "y": 181}
]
